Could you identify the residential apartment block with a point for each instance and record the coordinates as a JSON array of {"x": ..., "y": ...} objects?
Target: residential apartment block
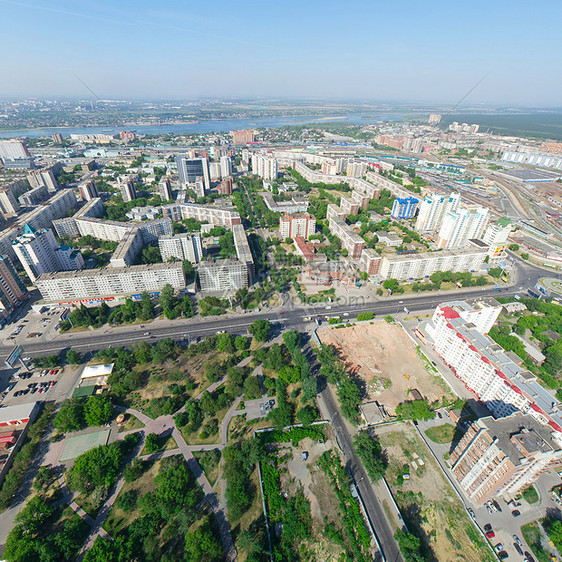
[
  {"x": 39, "y": 252},
  {"x": 298, "y": 224},
  {"x": 181, "y": 247},
  {"x": 404, "y": 208},
  {"x": 351, "y": 241},
  {"x": 202, "y": 213},
  {"x": 433, "y": 209},
  {"x": 501, "y": 457},
  {"x": 495, "y": 376},
  {"x": 496, "y": 237},
  {"x": 223, "y": 275},
  {"x": 109, "y": 283},
  {"x": 460, "y": 226},
  {"x": 12, "y": 289},
  {"x": 418, "y": 266},
  {"x": 265, "y": 167}
]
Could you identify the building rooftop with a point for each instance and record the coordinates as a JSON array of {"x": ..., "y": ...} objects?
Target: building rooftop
[
  {"x": 15, "y": 413},
  {"x": 96, "y": 370},
  {"x": 520, "y": 435},
  {"x": 109, "y": 271}
]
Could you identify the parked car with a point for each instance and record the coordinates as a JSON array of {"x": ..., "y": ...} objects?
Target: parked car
[
  {"x": 490, "y": 534},
  {"x": 517, "y": 540},
  {"x": 516, "y": 513},
  {"x": 498, "y": 547},
  {"x": 503, "y": 555}
]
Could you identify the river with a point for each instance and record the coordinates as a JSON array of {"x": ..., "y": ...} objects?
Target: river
[{"x": 207, "y": 126}]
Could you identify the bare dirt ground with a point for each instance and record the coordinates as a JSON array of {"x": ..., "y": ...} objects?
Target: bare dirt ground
[{"x": 384, "y": 357}]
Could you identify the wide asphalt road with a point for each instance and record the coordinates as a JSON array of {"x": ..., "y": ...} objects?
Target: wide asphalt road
[
  {"x": 92, "y": 340},
  {"x": 375, "y": 513}
]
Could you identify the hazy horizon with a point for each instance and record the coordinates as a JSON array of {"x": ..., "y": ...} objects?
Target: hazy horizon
[{"x": 430, "y": 53}]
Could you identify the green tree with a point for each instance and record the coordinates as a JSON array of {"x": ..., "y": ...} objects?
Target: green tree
[
  {"x": 514, "y": 247},
  {"x": 147, "y": 308},
  {"x": 73, "y": 357},
  {"x": 98, "y": 410},
  {"x": 224, "y": 343},
  {"x": 70, "y": 416},
  {"x": 260, "y": 330},
  {"x": 96, "y": 468},
  {"x": 152, "y": 443},
  {"x": 369, "y": 450},
  {"x": 410, "y": 546},
  {"x": 307, "y": 415},
  {"x": 241, "y": 343},
  {"x": 414, "y": 410},
  {"x": 291, "y": 339},
  {"x": 390, "y": 284}
]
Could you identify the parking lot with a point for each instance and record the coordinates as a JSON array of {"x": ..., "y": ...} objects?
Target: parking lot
[
  {"x": 23, "y": 386},
  {"x": 31, "y": 326},
  {"x": 259, "y": 408}
]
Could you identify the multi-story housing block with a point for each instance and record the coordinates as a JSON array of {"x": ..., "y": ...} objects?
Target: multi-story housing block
[
  {"x": 110, "y": 283},
  {"x": 495, "y": 376},
  {"x": 181, "y": 247},
  {"x": 299, "y": 224},
  {"x": 433, "y": 209},
  {"x": 351, "y": 241},
  {"x": 12, "y": 289},
  {"x": 418, "y": 266},
  {"x": 501, "y": 457},
  {"x": 39, "y": 253},
  {"x": 202, "y": 213},
  {"x": 462, "y": 225}
]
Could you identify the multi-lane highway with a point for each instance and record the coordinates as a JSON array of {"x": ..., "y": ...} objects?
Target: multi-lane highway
[{"x": 238, "y": 323}]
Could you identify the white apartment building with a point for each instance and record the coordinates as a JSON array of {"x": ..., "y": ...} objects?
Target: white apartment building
[
  {"x": 202, "y": 213},
  {"x": 462, "y": 225},
  {"x": 128, "y": 248},
  {"x": 165, "y": 189},
  {"x": 109, "y": 283},
  {"x": 225, "y": 276},
  {"x": 356, "y": 169},
  {"x": 434, "y": 208},
  {"x": 38, "y": 178},
  {"x": 215, "y": 171},
  {"x": 299, "y": 224},
  {"x": 181, "y": 247},
  {"x": 383, "y": 183},
  {"x": 495, "y": 376},
  {"x": 265, "y": 167},
  {"x": 351, "y": 241},
  {"x": 40, "y": 217},
  {"x": 418, "y": 266},
  {"x": 39, "y": 253},
  {"x": 496, "y": 237},
  {"x": 225, "y": 166}
]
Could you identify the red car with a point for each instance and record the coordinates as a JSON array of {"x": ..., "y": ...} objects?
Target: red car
[{"x": 490, "y": 534}]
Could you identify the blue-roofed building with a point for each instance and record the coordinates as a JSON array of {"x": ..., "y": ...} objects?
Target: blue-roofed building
[{"x": 404, "y": 208}]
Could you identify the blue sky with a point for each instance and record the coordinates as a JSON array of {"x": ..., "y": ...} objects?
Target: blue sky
[{"x": 396, "y": 50}]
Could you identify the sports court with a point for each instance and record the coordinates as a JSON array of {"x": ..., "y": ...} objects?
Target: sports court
[{"x": 75, "y": 446}]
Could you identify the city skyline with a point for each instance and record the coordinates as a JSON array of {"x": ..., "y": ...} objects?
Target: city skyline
[{"x": 429, "y": 53}]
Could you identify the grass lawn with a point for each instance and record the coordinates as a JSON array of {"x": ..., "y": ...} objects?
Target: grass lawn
[
  {"x": 209, "y": 461},
  {"x": 532, "y": 536},
  {"x": 167, "y": 443},
  {"x": 117, "y": 518},
  {"x": 441, "y": 433},
  {"x": 130, "y": 423},
  {"x": 530, "y": 494}
]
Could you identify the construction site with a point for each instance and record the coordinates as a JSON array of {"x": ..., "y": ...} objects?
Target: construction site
[{"x": 383, "y": 357}]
